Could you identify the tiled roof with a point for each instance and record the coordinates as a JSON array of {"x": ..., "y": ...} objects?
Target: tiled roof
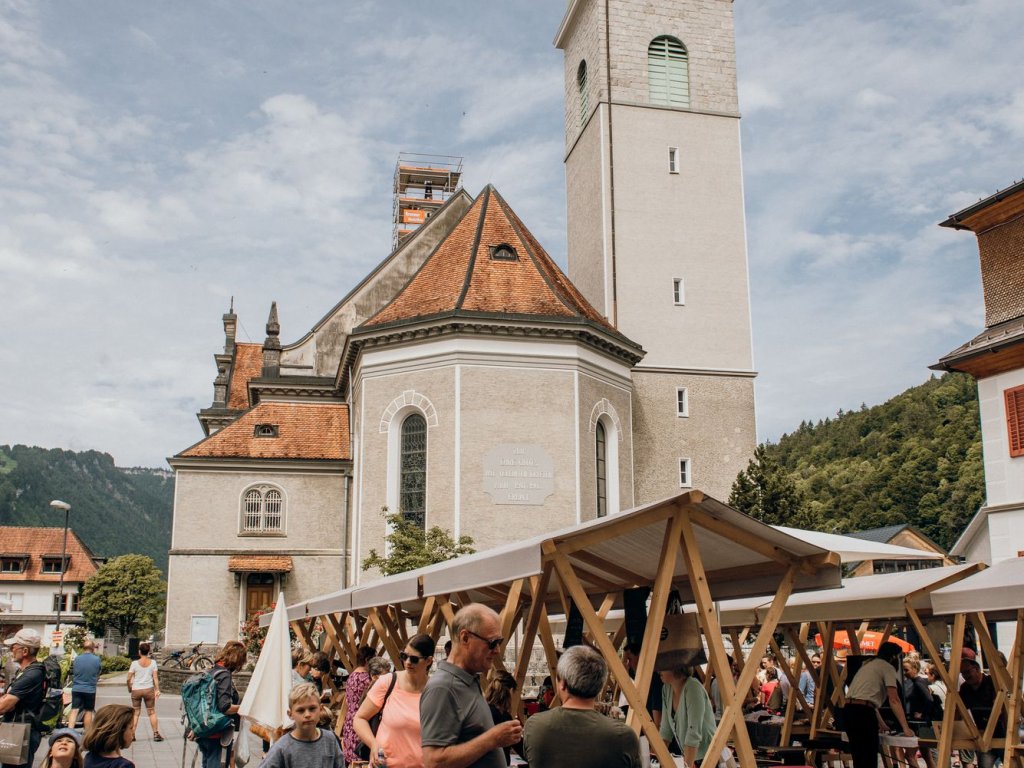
[
  {"x": 879, "y": 535},
  {"x": 304, "y": 431},
  {"x": 260, "y": 564},
  {"x": 248, "y": 364},
  {"x": 461, "y": 277},
  {"x": 990, "y": 340},
  {"x": 37, "y": 542}
]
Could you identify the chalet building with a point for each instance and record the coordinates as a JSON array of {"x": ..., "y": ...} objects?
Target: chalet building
[
  {"x": 995, "y": 357},
  {"x": 904, "y": 535},
  {"x": 467, "y": 382},
  {"x": 30, "y": 571}
]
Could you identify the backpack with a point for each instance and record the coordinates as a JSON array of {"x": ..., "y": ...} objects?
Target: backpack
[{"x": 199, "y": 699}]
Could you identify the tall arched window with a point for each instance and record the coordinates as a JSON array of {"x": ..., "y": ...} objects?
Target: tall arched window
[
  {"x": 412, "y": 482},
  {"x": 581, "y": 85},
  {"x": 263, "y": 510},
  {"x": 668, "y": 73},
  {"x": 601, "y": 442}
]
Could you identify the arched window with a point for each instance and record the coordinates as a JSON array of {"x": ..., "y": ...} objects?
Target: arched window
[
  {"x": 581, "y": 85},
  {"x": 601, "y": 441},
  {"x": 668, "y": 73},
  {"x": 412, "y": 482},
  {"x": 263, "y": 510}
]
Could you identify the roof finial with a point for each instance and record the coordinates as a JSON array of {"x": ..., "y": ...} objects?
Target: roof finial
[{"x": 273, "y": 326}]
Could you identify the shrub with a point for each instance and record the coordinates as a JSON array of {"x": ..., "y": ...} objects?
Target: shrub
[{"x": 114, "y": 664}]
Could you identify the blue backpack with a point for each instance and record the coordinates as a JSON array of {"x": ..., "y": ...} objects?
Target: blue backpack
[{"x": 199, "y": 698}]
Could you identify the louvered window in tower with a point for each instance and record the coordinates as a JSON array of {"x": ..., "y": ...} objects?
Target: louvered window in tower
[
  {"x": 412, "y": 487},
  {"x": 1015, "y": 420},
  {"x": 581, "y": 84},
  {"x": 668, "y": 73}
]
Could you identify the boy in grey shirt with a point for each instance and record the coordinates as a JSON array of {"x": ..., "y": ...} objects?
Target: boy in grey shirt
[{"x": 306, "y": 745}]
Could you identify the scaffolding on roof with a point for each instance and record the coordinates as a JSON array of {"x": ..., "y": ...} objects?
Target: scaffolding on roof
[{"x": 423, "y": 183}]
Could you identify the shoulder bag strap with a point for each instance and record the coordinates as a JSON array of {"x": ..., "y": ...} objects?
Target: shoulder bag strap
[{"x": 391, "y": 687}]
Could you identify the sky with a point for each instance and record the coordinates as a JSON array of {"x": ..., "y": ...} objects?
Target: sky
[{"x": 157, "y": 159}]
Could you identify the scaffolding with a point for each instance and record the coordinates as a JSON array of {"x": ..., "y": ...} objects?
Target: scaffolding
[{"x": 423, "y": 183}]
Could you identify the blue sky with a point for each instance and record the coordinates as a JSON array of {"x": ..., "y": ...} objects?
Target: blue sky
[{"x": 156, "y": 159}]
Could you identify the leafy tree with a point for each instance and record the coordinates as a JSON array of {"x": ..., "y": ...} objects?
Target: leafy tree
[
  {"x": 915, "y": 459},
  {"x": 409, "y": 547},
  {"x": 766, "y": 493},
  {"x": 127, "y": 593}
]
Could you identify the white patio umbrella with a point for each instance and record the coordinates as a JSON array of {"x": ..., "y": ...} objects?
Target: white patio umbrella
[{"x": 266, "y": 699}]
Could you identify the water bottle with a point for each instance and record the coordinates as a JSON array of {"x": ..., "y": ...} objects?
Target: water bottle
[{"x": 382, "y": 761}]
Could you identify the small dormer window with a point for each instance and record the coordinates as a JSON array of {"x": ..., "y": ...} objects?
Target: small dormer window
[
  {"x": 265, "y": 430},
  {"x": 504, "y": 252},
  {"x": 52, "y": 564},
  {"x": 15, "y": 564}
]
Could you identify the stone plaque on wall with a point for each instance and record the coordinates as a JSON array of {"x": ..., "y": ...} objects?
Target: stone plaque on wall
[{"x": 518, "y": 473}]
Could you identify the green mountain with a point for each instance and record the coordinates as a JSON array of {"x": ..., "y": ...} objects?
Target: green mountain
[
  {"x": 115, "y": 511},
  {"x": 914, "y": 459}
]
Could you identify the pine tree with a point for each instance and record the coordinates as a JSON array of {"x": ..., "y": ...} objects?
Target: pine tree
[{"x": 765, "y": 492}]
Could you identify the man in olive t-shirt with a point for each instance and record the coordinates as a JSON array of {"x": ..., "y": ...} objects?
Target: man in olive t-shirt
[{"x": 574, "y": 733}]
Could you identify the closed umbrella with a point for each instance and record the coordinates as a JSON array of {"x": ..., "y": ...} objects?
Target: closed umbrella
[{"x": 266, "y": 699}]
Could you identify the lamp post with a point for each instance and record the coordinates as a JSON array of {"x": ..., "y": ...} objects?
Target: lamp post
[{"x": 56, "y": 504}]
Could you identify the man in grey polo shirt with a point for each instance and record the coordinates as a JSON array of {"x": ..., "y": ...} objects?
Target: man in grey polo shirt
[{"x": 455, "y": 721}]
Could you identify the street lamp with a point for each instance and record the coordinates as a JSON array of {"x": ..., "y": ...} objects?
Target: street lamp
[{"x": 56, "y": 504}]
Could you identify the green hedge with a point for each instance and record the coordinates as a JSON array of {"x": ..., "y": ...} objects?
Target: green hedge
[{"x": 114, "y": 664}]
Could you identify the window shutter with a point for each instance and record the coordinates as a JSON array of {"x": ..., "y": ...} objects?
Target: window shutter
[
  {"x": 1015, "y": 420},
  {"x": 668, "y": 76}
]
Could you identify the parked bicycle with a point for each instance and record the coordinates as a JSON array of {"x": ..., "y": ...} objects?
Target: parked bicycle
[{"x": 194, "y": 659}]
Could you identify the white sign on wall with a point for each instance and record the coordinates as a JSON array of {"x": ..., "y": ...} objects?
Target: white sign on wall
[
  {"x": 519, "y": 473},
  {"x": 204, "y": 629}
]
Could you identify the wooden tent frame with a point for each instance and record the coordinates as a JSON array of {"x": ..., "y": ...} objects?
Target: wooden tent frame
[
  {"x": 957, "y": 729},
  {"x": 573, "y": 575}
]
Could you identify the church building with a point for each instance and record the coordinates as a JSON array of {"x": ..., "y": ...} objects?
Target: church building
[{"x": 467, "y": 382}]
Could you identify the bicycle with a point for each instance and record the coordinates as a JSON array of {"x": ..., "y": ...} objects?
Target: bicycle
[{"x": 194, "y": 659}]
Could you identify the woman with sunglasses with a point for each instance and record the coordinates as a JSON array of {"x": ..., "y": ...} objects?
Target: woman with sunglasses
[{"x": 398, "y": 735}]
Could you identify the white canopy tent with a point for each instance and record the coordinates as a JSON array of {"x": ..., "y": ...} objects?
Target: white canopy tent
[
  {"x": 854, "y": 550},
  {"x": 998, "y": 589},
  {"x": 858, "y": 599}
]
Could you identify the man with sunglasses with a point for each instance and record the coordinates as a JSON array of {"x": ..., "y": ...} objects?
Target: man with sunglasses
[{"x": 456, "y": 724}]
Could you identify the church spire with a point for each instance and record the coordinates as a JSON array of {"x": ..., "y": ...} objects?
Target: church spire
[{"x": 272, "y": 344}]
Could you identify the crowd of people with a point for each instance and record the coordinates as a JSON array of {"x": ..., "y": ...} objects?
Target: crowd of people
[{"x": 460, "y": 711}]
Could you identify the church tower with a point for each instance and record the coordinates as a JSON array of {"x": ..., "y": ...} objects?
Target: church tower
[{"x": 656, "y": 230}]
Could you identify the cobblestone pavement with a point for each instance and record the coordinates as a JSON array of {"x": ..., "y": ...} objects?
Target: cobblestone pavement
[{"x": 145, "y": 752}]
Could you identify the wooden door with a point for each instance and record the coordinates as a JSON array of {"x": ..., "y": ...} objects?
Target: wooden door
[{"x": 259, "y": 592}]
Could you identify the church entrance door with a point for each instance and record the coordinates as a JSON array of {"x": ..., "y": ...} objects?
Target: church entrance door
[{"x": 259, "y": 592}]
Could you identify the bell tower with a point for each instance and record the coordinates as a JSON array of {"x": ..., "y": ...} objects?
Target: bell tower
[{"x": 656, "y": 229}]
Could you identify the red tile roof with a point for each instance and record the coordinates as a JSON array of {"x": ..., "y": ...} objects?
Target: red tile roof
[
  {"x": 304, "y": 431},
  {"x": 461, "y": 276},
  {"x": 260, "y": 564},
  {"x": 39, "y": 542},
  {"x": 248, "y": 364}
]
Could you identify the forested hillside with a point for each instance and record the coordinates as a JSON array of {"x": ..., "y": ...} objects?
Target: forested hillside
[
  {"x": 914, "y": 459},
  {"x": 113, "y": 510}
]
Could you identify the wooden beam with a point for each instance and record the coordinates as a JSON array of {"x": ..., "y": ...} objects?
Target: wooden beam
[
  {"x": 624, "y": 525},
  {"x": 732, "y": 714},
  {"x": 637, "y": 705},
  {"x": 538, "y": 586},
  {"x": 746, "y": 539},
  {"x": 392, "y": 648},
  {"x": 658, "y": 603},
  {"x": 508, "y": 613},
  {"x": 713, "y": 637},
  {"x": 628, "y": 577},
  {"x": 1014, "y": 707}
]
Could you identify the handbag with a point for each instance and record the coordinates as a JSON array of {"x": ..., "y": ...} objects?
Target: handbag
[
  {"x": 14, "y": 741},
  {"x": 363, "y": 752},
  {"x": 681, "y": 643}
]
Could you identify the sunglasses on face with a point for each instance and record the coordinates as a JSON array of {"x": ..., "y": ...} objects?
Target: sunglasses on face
[
  {"x": 410, "y": 657},
  {"x": 492, "y": 645}
]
